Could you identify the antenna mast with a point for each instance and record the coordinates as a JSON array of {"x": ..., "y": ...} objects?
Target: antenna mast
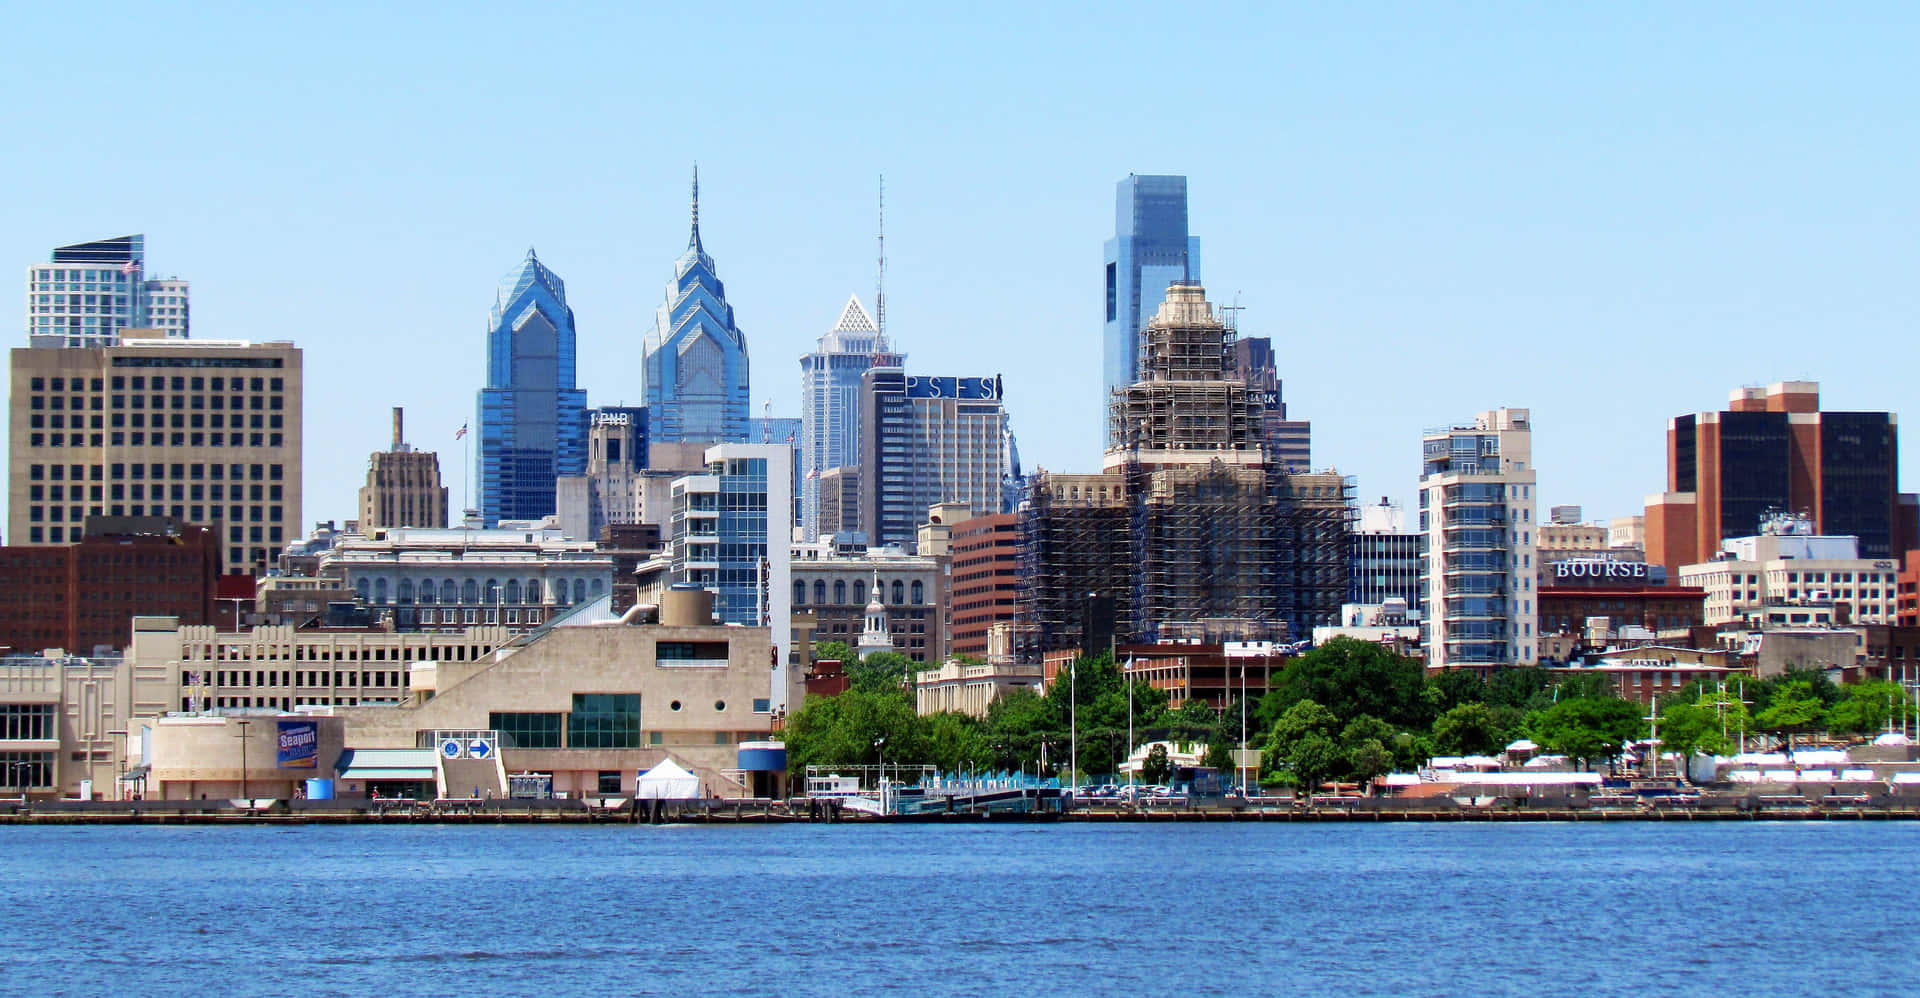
[{"x": 880, "y": 282}]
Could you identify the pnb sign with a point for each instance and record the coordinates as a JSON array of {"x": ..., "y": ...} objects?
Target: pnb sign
[{"x": 1599, "y": 571}]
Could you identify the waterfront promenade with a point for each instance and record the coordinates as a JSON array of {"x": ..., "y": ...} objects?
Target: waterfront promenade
[{"x": 803, "y": 810}]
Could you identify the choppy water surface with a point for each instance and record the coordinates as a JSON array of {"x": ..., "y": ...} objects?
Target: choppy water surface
[{"x": 1763, "y": 909}]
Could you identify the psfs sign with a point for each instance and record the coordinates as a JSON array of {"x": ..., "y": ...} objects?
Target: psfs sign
[
  {"x": 986, "y": 389},
  {"x": 299, "y": 745}
]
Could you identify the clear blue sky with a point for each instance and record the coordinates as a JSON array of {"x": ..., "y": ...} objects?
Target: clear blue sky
[{"x": 1610, "y": 215}]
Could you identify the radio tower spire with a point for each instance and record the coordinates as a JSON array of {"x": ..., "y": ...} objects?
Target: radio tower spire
[{"x": 880, "y": 281}]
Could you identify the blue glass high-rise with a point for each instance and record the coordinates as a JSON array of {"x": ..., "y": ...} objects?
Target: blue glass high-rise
[
  {"x": 532, "y": 420},
  {"x": 696, "y": 358},
  {"x": 1150, "y": 249}
]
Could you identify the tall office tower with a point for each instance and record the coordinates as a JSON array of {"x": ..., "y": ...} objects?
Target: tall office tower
[
  {"x": 89, "y": 293},
  {"x": 532, "y": 420},
  {"x": 839, "y": 510},
  {"x": 403, "y": 486},
  {"x": 1477, "y": 563},
  {"x": 1289, "y": 441},
  {"x": 926, "y": 441},
  {"x": 1220, "y": 533},
  {"x": 724, "y": 541},
  {"x": 696, "y": 373},
  {"x": 1150, "y": 250},
  {"x": 613, "y": 490},
  {"x": 204, "y": 431},
  {"x": 1386, "y": 558},
  {"x": 1773, "y": 451},
  {"x": 830, "y": 401}
]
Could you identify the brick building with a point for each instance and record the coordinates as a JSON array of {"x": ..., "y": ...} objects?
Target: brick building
[
  {"x": 83, "y": 595},
  {"x": 984, "y": 554}
]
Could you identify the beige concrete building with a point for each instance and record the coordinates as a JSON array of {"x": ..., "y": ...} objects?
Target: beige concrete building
[
  {"x": 970, "y": 689},
  {"x": 831, "y": 582},
  {"x": 403, "y": 486},
  {"x": 205, "y": 431},
  {"x": 1784, "y": 569},
  {"x": 578, "y": 709}
]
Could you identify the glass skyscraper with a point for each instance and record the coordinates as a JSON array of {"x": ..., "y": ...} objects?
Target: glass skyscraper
[
  {"x": 532, "y": 420},
  {"x": 1150, "y": 249},
  {"x": 696, "y": 373},
  {"x": 830, "y": 401},
  {"x": 730, "y": 536}
]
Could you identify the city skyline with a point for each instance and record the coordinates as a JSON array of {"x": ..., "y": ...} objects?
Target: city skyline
[{"x": 1689, "y": 223}]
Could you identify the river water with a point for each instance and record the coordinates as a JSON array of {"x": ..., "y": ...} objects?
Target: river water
[{"x": 1242, "y": 909}]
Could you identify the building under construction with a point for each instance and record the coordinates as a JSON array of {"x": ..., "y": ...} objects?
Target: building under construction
[{"x": 1193, "y": 529}]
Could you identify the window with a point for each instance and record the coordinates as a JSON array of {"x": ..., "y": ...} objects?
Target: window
[
  {"x": 799, "y": 592},
  {"x": 819, "y": 590},
  {"x": 840, "y": 591},
  {"x": 919, "y": 592},
  {"x": 609, "y": 781},
  {"x": 604, "y": 720},
  {"x": 529, "y": 731}
]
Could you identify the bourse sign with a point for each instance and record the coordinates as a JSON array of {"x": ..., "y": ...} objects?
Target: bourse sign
[
  {"x": 1604, "y": 571},
  {"x": 299, "y": 745}
]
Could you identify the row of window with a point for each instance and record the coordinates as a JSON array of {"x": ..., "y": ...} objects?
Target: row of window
[
  {"x": 138, "y": 438},
  {"x": 903, "y": 594},
  {"x": 375, "y": 591},
  {"x": 193, "y": 472},
  {"x": 159, "y": 383}
]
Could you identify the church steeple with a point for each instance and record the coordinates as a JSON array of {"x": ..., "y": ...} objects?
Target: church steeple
[{"x": 875, "y": 636}]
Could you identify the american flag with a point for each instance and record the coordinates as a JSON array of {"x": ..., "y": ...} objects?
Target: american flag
[
  {"x": 130, "y": 267},
  {"x": 461, "y": 432}
]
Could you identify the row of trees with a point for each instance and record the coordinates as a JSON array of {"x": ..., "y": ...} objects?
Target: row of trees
[{"x": 1348, "y": 710}]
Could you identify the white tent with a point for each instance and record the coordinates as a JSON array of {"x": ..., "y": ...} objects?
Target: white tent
[{"x": 666, "y": 781}]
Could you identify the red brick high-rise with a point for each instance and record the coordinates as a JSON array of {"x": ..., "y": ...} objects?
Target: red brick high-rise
[
  {"x": 1774, "y": 451},
  {"x": 985, "y": 556}
]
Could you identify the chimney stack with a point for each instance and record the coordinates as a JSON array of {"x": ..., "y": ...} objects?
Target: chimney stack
[{"x": 399, "y": 439}]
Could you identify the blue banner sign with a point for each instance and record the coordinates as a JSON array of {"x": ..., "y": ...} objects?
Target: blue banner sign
[{"x": 299, "y": 745}]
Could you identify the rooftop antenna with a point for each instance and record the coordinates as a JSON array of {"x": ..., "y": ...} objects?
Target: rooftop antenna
[
  {"x": 880, "y": 281},
  {"x": 766, "y": 424}
]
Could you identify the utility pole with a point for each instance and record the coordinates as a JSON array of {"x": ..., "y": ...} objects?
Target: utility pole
[{"x": 243, "y": 762}]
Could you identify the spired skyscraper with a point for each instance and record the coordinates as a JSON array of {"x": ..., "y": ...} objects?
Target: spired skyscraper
[
  {"x": 1150, "y": 250},
  {"x": 830, "y": 401},
  {"x": 533, "y": 426},
  {"x": 696, "y": 373}
]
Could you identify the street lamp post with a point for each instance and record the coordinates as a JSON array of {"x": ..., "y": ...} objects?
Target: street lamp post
[{"x": 243, "y": 761}]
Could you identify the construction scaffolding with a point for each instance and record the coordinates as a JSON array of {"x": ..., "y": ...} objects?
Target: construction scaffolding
[
  {"x": 1076, "y": 556},
  {"x": 1188, "y": 397}
]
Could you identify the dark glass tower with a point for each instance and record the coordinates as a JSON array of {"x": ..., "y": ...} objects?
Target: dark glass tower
[
  {"x": 1150, "y": 249},
  {"x": 532, "y": 420},
  {"x": 696, "y": 357}
]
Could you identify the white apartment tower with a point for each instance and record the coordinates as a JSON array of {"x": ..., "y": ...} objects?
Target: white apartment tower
[
  {"x": 87, "y": 294},
  {"x": 1479, "y": 543}
]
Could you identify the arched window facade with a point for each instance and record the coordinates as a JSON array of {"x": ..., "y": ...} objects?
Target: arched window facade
[
  {"x": 799, "y": 592},
  {"x": 470, "y": 593},
  {"x": 599, "y": 586},
  {"x": 533, "y": 590},
  {"x": 860, "y": 592},
  {"x": 492, "y": 593},
  {"x": 919, "y": 592},
  {"x": 426, "y": 591},
  {"x": 899, "y": 593},
  {"x": 819, "y": 590},
  {"x": 380, "y": 591},
  {"x": 840, "y": 592},
  {"x": 362, "y": 589},
  {"x": 513, "y": 590},
  {"x": 406, "y": 590},
  {"x": 579, "y": 590}
]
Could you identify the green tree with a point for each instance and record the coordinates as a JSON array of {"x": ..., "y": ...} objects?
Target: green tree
[
  {"x": 1449, "y": 688},
  {"x": 1017, "y": 723},
  {"x": 1525, "y": 688},
  {"x": 1367, "y": 760},
  {"x": 954, "y": 742},
  {"x": 1468, "y": 729},
  {"x": 1352, "y": 678},
  {"x": 1303, "y": 720},
  {"x": 1156, "y": 768},
  {"x": 1688, "y": 728},
  {"x": 1312, "y": 759},
  {"x": 1792, "y": 708},
  {"x": 882, "y": 670},
  {"x": 1588, "y": 728},
  {"x": 840, "y": 731},
  {"x": 1869, "y": 707},
  {"x": 838, "y": 651},
  {"x": 1194, "y": 721}
]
